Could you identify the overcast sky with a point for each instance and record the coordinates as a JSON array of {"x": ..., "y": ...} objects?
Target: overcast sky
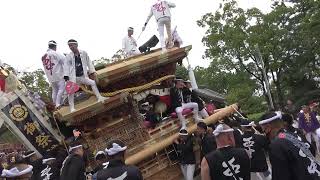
[{"x": 26, "y": 26}]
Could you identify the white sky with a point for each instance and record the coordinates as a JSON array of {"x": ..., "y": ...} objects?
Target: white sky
[{"x": 26, "y": 26}]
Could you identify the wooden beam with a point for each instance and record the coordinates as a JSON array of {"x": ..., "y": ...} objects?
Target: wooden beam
[
  {"x": 1, "y": 122},
  {"x": 154, "y": 148}
]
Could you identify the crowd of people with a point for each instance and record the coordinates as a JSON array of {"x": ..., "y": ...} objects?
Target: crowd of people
[
  {"x": 235, "y": 148},
  {"x": 72, "y": 165},
  {"x": 28, "y": 165},
  {"x": 240, "y": 149},
  {"x": 232, "y": 149}
]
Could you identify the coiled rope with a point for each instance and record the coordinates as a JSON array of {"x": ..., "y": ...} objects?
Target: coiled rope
[{"x": 130, "y": 90}]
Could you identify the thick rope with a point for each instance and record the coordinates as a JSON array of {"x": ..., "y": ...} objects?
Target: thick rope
[
  {"x": 63, "y": 141},
  {"x": 130, "y": 90}
]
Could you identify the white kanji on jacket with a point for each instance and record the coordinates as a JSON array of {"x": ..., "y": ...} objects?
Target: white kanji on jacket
[
  {"x": 70, "y": 69},
  {"x": 53, "y": 63},
  {"x": 160, "y": 9}
]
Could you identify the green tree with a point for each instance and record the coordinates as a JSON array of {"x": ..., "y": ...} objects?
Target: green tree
[
  {"x": 182, "y": 72},
  {"x": 36, "y": 81},
  {"x": 119, "y": 55},
  {"x": 237, "y": 86},
  {"x": 282, "y": 36},
  {"x": 101, "y": 63}
]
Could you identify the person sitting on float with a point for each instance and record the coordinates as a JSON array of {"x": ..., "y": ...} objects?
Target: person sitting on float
[{"x": 179, "y": 102}]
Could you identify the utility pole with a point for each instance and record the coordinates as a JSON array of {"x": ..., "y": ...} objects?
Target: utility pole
[{"x": 266, "y": 79}]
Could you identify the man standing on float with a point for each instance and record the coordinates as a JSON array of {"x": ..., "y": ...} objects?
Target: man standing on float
[
  {"x": 161, "y": 12},
  {"x": 53, "y": 67},
  {"x": 129, "y": 44},
  {"x": 77, "y": 69}
]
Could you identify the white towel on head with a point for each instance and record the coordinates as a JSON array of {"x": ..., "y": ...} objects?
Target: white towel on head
[
  {"x": 44, "y": 161},
  {"x": 98, "y": 153},
  {"x": 14, "y": 172},
  {"x": 115, "y": 149},
  {"x": 220, "y": 129},
  {"x": 277, "y": 116}
]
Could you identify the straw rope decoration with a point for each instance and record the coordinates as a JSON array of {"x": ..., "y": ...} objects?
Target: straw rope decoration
[{"x": 130, "y": 90}]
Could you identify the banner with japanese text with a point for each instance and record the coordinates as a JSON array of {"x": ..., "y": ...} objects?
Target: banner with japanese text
[{"x": 30, "y": 126}]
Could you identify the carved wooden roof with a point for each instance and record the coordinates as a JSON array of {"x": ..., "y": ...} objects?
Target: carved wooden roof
[{"x": 139, "y": 64}]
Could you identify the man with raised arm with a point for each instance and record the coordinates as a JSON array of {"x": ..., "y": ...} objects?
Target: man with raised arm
[{"x": 161, "y": 11}]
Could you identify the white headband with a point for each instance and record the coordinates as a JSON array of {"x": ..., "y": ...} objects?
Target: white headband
[
  {"x": 44, "y": 161},
  {"x": 52, "y": 43},
  {"x": 219, "y": 129},
  {"x": 98, "y": 153},
  {"x": 116, "y": 148},
  {"x": 14, "y": 172},
  {"x": 72, "y": 42},
  {"x": 248, "y": 125},
  {"x": 26, "y": 156},
  {"x": 183, "y": 134},
  {"x": 145, "y": 104},
  {"x": 278, "y": 116},
  {"x": 75, "y": 147}
]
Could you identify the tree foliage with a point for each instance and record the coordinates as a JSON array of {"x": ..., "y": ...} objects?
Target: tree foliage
[
  {"x": 102, "y": 62},
  {"x": 237, "y": 87},
  {"x": 36, "y": 81},
  {"x": 287, "y": 38},
  {"x": 182, "y": 72}
]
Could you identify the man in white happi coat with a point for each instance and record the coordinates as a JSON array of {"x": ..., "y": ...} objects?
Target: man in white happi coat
[
  {"x": 77, "y": 69},
  {"x": 161, "y": 11},
  {"x": 53, "y": 67},
  {"x": 129, "y": 44}
]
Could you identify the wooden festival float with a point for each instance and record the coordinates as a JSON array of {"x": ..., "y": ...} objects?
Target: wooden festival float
[{"x": 128, "y": 83}]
